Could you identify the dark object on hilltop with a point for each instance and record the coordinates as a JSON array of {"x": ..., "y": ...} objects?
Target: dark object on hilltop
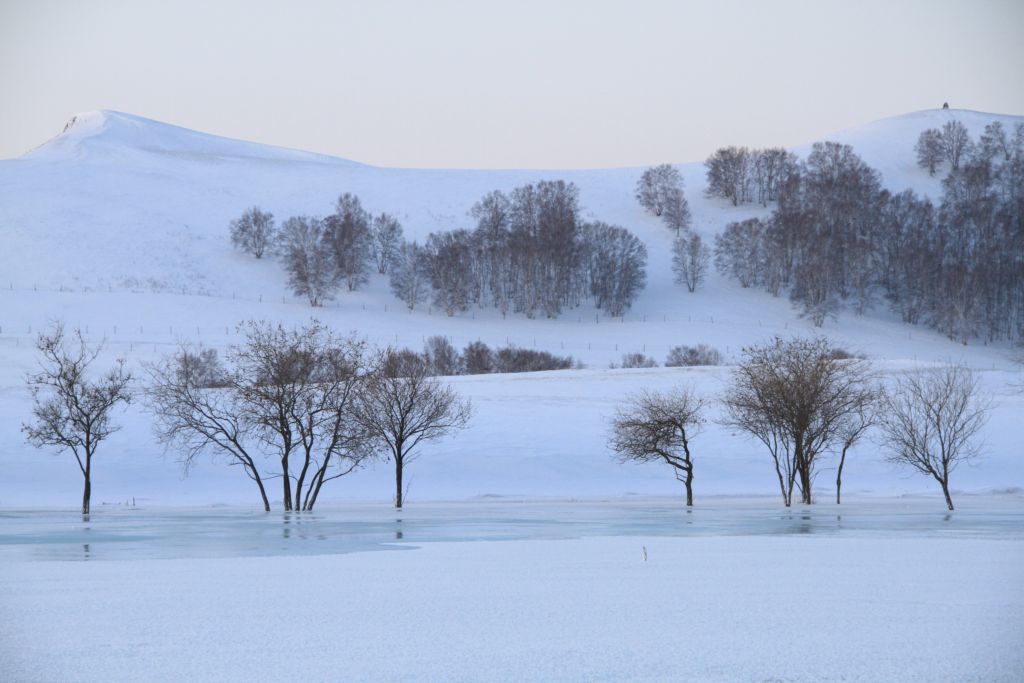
[{"x": 945, "y": 105}]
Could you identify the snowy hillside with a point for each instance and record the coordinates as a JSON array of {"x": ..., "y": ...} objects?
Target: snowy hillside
[{"x": 119, "y": 225}]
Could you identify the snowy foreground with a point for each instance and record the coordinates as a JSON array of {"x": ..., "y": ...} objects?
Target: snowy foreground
[{"x": 738, "y": 590}]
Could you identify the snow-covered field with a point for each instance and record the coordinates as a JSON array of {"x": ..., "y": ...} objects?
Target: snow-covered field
[
  {"x": 527, "y": 536},
  {"x": 702, "y": 608}
]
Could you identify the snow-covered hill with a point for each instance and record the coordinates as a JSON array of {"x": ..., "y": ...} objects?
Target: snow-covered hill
[{"x": 119, "y": 225}]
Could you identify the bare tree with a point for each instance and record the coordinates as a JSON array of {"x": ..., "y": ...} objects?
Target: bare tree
[
  {"x": 659, "y": 427},
  {"x": 253, "y": 232},
  {"x": 956, "y": 143},
  {"x": 441, "y": 356},
  {"x": 657, "y": 187},
  {"x": 796, "y": 396},
  {"x": 70, "y": 409},
  {"x": 349, "y": 239},
  {"x": 387, "y": 238},
  {"x": 410, "y": 275},
  {"x": 197, "y": 412},
  {"x": 931, "y": 419},
  {"x": 307, "y": 259},
  {"x": 690, "y": 259},
  {"x": 405, "y": 407},
  {"x": 854, "y": 425},
  {"x": 477, "y": 358},
  {"x": 729, "y": 172},
  {"x": 688, "y": 356},
  {"x": 636, "y": 359},
  {"x": 298, "y": 388},
  {"x": 929, "y": 150},
  {"x": 739, "y": 250}
]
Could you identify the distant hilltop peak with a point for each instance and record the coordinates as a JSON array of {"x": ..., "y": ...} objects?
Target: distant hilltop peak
[
  {"x": 114, "y": 135},
  {"x": 108, "y": 134}
]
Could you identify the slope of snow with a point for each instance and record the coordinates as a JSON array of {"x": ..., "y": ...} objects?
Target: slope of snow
[{"x": 119, "y": 226}]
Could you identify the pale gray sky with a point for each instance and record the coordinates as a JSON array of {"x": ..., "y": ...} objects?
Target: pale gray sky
[{"x": 519, "y": 83}]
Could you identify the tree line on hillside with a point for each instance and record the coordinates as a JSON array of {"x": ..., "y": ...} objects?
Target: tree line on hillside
[
  {"x": 836, "y": 238},
  {"x": 319, "y": 406},
  {"x": 530, "y": 252}
]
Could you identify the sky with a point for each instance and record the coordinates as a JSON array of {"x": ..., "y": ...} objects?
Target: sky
[{"x": 513, "y": 84}]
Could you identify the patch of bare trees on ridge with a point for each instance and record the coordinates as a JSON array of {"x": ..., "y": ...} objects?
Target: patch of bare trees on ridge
[
  {"x": 530, "y": 252},
  {"x": 836, "y": 238}
]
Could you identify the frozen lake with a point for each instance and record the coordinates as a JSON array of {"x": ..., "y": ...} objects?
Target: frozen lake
[{"x": 118, "y": 533}]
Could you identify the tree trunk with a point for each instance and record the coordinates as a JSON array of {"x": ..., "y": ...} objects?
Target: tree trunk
[
  {"x": 839, "y": 475},
  {"x": 689, "y": 488},
  {"x": 263, "y": 493},
  {"x": 945, "y": 492},
  {"x": 87, "y": 493},
  {"x": 287, "y": 484},
  {"x": 398, "y": 483}
]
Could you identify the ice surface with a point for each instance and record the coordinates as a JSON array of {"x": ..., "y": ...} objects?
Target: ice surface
[{"x": 136, "y": 534}]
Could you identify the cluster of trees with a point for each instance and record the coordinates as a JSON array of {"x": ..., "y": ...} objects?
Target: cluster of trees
[
  {"x": 952, "y": 142},
  {"x": 318, "y": 405},
  {"x": 678, "y": 357},
  {"x": 660, "y": 191},
  {"x": 804, "y": 399},
  {"x": 323, "y": 254},
  {"x": 743, "y": 175},
  {"x": 836, "y": 237},
  {"x": 530, "y": 253},
  {"x": 441, "y": 358}
]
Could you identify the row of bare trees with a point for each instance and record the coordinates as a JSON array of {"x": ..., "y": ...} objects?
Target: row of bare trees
[
  {"x": 318, "y": 405},
  {"x": 323, "y": 405},
  {"x": 804, "y": 399}
]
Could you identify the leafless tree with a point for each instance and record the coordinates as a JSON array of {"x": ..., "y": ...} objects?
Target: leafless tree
[
  {"x": 307, "y": 259},
  {"x": 929, "y": 150},
  {"x": 994, "y": 145},
  {"x": 956, "y": 143},
  {"x": 410, "y": 274},
  {"x": 636, "y": 359},
  {"x": 729, "y": 172},
  {"x": 659, "y": 427},
  {"x": 298, "y": 388},
  {"x": 690, "y": 259},
  {"x": 931, "y": 420},
  {"x": 349, "y": 240},
  {"x": 387, "y": 239},
  {"x": 854, "y": 425},
  {"x": 190, "y": 395},
  {"x": 70, "y": 408},
  {"x": 405, "y": 407},
  {"x": 477, "y": 358},
  {"x": 739, "y": 250},
  {"x": 687, "y": 356},
  {"x": 441, "y": 356},
  {"x": 253, "y": 232},
  {"x": 796, "y": 397},
  {"x": 658, "y": 186}
]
